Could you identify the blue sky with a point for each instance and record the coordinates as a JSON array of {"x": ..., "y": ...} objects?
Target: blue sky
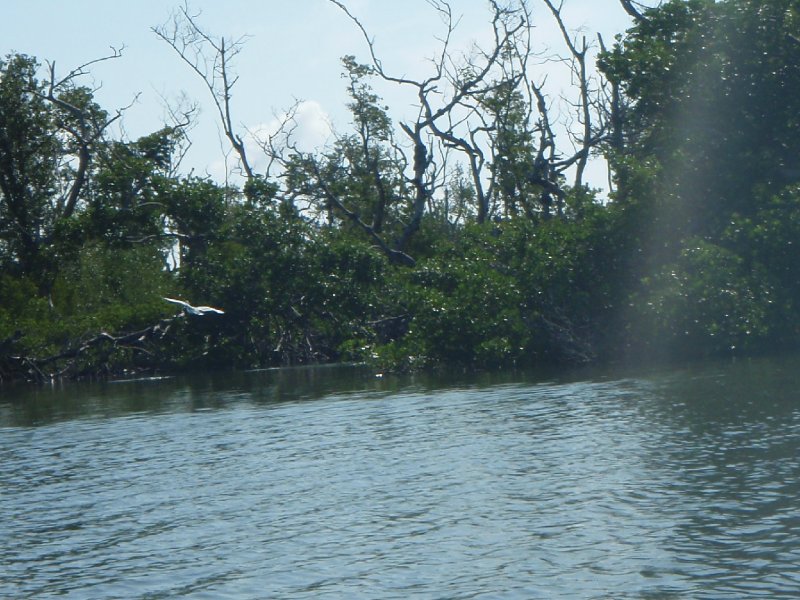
[{"x": 293, "y": 53}]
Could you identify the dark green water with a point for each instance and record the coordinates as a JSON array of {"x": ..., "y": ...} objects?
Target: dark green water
[{"x": 330, "y": 483}]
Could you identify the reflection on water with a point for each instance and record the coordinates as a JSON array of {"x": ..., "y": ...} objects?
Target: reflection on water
[{"x": 314, "y": 483}]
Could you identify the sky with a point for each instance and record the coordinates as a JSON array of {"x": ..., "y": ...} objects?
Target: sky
[{"x": 292, "y": 53}]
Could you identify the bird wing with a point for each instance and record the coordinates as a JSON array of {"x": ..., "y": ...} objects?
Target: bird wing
[
  {"x": 205, "y": 309},
  {"x": 181, "y": 302}
]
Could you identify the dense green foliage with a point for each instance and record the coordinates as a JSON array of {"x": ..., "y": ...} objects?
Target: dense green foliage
[
  {"x": 696, "y": 253},
  {"x": 709, "y": 173}
]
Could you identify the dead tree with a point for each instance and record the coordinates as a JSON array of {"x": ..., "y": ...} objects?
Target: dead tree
[
  {"x": 85, "y": 126},
  {"x": 453, "y": 113},
  {"x": 448, "y": 102},
  {"x": 211, "y": 59}
]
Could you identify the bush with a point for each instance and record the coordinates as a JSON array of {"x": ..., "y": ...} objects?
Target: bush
[{"x": 706, "y": 302}]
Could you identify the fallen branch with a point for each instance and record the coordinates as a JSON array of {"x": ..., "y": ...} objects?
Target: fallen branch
[{"x": 57, "y": 366}]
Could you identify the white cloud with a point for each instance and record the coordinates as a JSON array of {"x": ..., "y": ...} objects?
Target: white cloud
[{"x": 307, "y": 127}]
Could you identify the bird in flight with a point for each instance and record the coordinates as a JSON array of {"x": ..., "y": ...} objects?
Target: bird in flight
[{"x": 198, "y": 311}]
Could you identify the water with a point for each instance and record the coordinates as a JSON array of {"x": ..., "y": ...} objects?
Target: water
[{"x": 335, "y": 484}]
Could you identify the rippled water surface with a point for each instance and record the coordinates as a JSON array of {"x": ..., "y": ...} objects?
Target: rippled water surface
[{"x": 334, "y": 484}]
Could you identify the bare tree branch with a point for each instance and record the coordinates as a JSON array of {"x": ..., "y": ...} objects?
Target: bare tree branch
[
  {"x": 211, "y": 60},
  {"x": 87, "y": 130},
  {"x": 396, "y": 256},
  {"x": 634, "y": 10},
  {"x": 584, "y": 103},
  {"x": 182, "y": 117},
  {"x": 276, "y": 143},
  {"x": 452, "y": 87}
]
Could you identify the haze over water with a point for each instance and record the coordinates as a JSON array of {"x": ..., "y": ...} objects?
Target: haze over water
[{"x": 328, "y": 483}]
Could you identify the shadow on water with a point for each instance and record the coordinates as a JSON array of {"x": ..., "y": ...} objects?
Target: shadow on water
[
  {"x": 37, "y": 405},
  {"x": 703, "y": 386}
]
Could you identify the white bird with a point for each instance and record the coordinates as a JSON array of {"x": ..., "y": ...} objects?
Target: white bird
[{"x": 198, "y": 311}]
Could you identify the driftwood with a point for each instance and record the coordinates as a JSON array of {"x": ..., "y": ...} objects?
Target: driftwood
[{"x": 17, "y": 366}]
